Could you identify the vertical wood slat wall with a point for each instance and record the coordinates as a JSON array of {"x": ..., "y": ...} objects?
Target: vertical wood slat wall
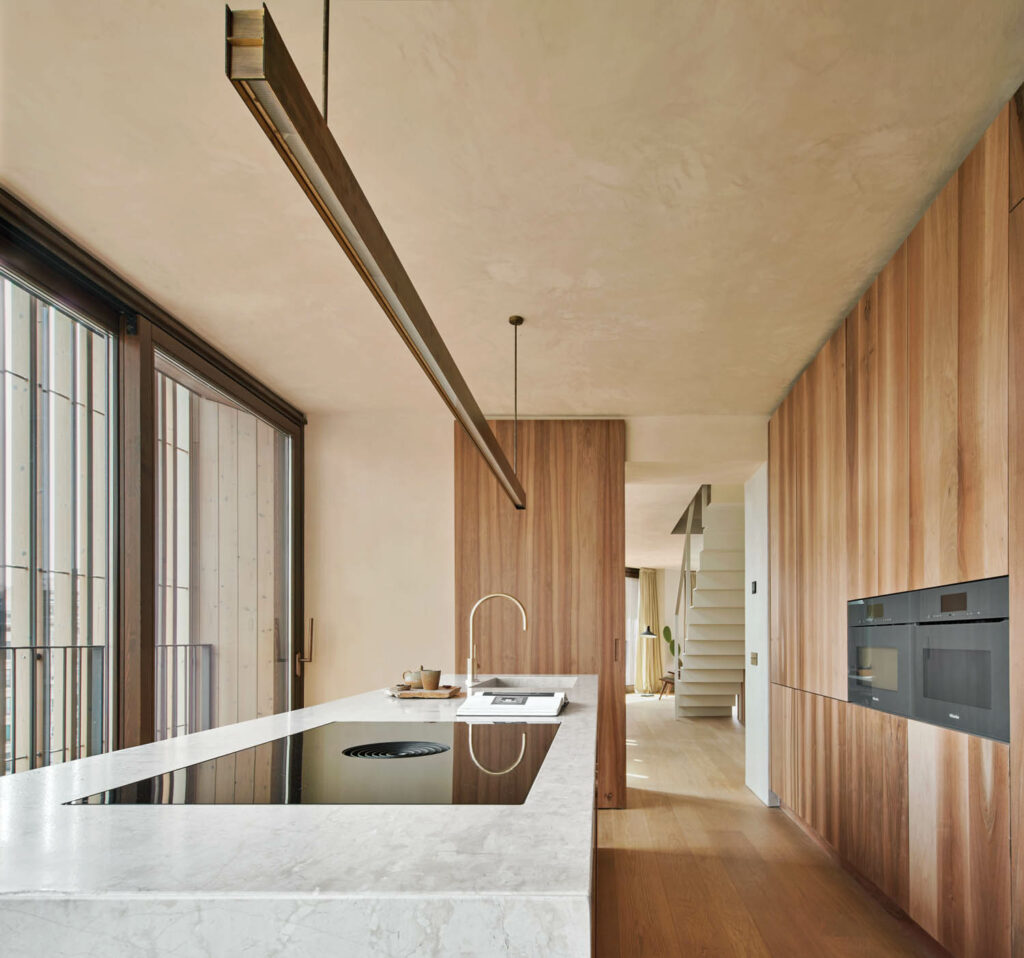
[
  {"x": 563, "y": 557},
  {"x": 928, "y": 492}
]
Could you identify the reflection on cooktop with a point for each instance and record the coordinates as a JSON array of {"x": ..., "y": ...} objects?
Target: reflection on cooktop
[{"x": 391, "y": 763}]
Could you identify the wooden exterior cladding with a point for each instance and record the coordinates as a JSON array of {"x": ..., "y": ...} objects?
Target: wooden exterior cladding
[
  {"x": 563, "y": 557},
  {"x": 929, "y": 489}
]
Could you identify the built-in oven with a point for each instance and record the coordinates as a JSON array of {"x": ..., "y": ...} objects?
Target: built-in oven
[
  {"x": 961, "y": 652},
  {"x": 879, "y": 647},
  {"x": 938, "y": 655}
]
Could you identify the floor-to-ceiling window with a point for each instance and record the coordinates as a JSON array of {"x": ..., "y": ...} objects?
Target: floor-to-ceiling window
[
  {"x": 56, "y": 522},
  {"x": 223, "y": 503},
  {"x": 150, "y": 516}
]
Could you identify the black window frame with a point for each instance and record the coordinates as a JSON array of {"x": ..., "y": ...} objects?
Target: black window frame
[{"x": 43, "y": 256}]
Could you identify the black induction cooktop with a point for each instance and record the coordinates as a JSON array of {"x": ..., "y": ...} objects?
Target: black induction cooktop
[{"x": 359, "y": 763}]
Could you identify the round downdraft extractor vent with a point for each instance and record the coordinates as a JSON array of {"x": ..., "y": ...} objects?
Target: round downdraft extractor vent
[{"x": 396, "y": 750}]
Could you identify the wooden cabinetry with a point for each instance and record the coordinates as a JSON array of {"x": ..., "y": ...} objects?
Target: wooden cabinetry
[
  {"x": 807, "y": 495},
  {"x": 807, "y": 754},
  {"x": 932, "y": 332},
  {"x": 982, "y": 366},
  {"x": 959, "y": 840},
  {"x": 1016, "y": 539},
  {"x": 878, "y": 491},
  {"x": 957, "y": 323},
  {"x": 563, "y": 557},
  {"x": 930, "y": 490},
  {"x": 875, "y": 806},
  {"x": 920, "y": 811}
]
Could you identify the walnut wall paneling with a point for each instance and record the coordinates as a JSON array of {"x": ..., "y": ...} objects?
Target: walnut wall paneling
[
  {"x": 563, "y": 557},
  {"x": 959, "y": 840},
  {"x": 807, "y": 492},
  {"x": 611, "y": 544},
  {"x": 1016, "y": 555},
  {"x": 874, "y": 835}
]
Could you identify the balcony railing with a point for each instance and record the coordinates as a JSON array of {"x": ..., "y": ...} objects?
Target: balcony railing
[
  {"x": 53, "y": 704},
  {"x": 184, "y": 689}
]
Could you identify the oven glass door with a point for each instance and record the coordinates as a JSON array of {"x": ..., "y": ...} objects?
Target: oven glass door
[
  {"x": 879, "y": 667},
  {"x": 961, "y": 677}
]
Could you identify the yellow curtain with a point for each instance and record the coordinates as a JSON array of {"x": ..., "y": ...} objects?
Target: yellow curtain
[{"x": 649, "y": 667}]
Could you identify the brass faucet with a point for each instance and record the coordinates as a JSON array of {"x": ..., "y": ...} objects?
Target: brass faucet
[{"x": 471, "y": 661}]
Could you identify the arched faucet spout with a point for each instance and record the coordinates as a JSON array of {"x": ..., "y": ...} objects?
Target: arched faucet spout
[{"x": 471, "y": 661}]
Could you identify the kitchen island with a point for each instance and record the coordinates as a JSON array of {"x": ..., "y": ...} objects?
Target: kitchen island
[{"x": 301, "y": 879}]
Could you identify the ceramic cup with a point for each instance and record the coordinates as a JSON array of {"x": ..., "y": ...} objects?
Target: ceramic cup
[
  {"x": 431, "y": 678},
  {"x": 413, "y": 678}
]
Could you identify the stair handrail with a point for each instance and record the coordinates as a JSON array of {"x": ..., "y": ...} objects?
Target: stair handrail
[{"x": 703, "y": 497}]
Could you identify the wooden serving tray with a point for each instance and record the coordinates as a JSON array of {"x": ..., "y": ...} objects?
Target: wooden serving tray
[{"x": 442, "y": 692}]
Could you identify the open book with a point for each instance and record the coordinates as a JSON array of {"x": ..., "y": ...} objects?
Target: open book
[{"x": 512, "y": 702}]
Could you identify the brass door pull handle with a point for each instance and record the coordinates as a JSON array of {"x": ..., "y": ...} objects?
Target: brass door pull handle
[{"x": 300, "y": 657}]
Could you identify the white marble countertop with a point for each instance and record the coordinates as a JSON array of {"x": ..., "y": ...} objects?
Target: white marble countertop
[{"x": 300, "y": 879}]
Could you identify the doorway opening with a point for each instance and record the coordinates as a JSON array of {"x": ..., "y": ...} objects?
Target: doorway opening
[{"x": 690, "y": 655}]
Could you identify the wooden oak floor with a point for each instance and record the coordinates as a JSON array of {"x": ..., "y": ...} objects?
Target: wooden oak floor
[{"x": 696, "y": 865}]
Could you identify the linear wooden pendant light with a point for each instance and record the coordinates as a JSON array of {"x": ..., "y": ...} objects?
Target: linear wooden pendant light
[{"x": 265, "y": 76}]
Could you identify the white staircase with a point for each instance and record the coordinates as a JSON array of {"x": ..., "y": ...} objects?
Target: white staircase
[{"x": 712, "y": 668}]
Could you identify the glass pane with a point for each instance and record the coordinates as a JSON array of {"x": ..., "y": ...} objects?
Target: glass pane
[
  {"x": 879, "y": 666},
  {"x": 959, "y": 676},
  {"x": 223, "y": 540},
  {"x": 55, "y": 513}
]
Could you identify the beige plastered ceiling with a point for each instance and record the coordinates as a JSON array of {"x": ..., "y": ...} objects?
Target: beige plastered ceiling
[{"x": 683, "y": 198}]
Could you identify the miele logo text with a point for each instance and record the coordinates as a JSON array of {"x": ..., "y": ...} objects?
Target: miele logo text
[{"x": 953, "y": 715}]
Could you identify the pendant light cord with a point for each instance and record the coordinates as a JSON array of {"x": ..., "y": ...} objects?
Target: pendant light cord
[
  {"x": 515, "y": 400},
  {"x": 515, "y": 322},
  {"x": 327, "y": 25}
]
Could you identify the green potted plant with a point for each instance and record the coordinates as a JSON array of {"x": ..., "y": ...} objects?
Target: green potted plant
[{"x": 667, "y": 634}]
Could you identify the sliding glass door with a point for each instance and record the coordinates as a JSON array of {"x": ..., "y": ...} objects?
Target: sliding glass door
[
  {"x": 223, "y": 542},
  {"x": 56, "y": 508}
]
